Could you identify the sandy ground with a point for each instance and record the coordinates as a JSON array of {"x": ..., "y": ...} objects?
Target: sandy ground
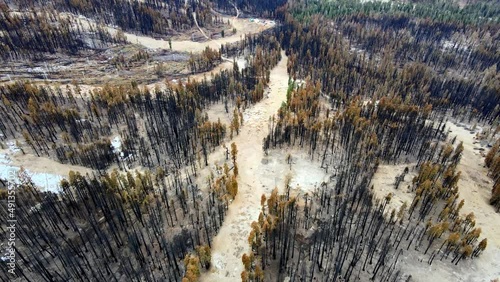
[
  {"x": 198, "y": 26},
  {"x": 226, "y": 64},
  {"x": 218, "y": 111},
  {"x": 231, "y": 241},
  {"x": 46, "y": 165},
  {"x": 44, "y": 172},
  {"x": 383, "y": 184},
  {"x": 475, "y": 186},
  {"x": 259, "y": 174},
  {"x": 475, "y": 189},
  {"x": 243, "y": 26}
]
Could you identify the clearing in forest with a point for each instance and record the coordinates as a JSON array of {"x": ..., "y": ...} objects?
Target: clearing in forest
[
  {"x": 231, "y": 241},
  {"x": 475, "y": 189}
]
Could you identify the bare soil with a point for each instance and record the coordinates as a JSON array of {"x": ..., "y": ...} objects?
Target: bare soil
[
  {"x": 475, "y": 188},
  {"x": 231, "y": 242},
  {"x": 259, "y": 174},
  {"x": 96, "y": 67},
  {"x": 383, "y": 184},
  {"x": 242, "y": 26}
]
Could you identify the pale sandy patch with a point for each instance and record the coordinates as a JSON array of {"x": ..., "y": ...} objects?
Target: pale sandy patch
[
  {"x": 475, "y": 188},
  {"x": 231, "y": 241}
]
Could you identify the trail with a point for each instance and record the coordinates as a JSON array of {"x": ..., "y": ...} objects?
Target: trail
[
  {"x": 231, "y": 241},
  {"x": 475, "y": 188},
  {"x": 236, "y": 8},
  {"x": 242, "y": 26},
  {"x": 198, "y": 26}
]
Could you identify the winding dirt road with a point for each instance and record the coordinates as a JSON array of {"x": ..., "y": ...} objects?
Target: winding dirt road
[
  {"x": 475, "y": 188},
  {"x": 242, "y": 26}
]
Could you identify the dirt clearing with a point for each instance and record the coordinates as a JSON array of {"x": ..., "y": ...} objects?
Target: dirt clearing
[
  {"x": 259, "y": 174},
  {"x": 242, "y": 26},
  {"x": 475, "y": 188},
  {"x": 45, "y": 173},
  {"x": 383, "y": 184}
]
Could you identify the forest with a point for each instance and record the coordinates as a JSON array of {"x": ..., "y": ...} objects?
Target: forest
[
  {"x": 206, "y": 174},
  {"x": 50, "y": 27}
]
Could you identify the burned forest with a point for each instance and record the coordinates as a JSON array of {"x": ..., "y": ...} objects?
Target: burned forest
[{"x": 217, "y": 140}]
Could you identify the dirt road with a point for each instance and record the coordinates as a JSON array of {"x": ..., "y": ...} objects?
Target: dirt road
[
  {"x": 231, "y": 242},
  {"x": 243, "y": 26},
  {"x": 475, "y": 188}
]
